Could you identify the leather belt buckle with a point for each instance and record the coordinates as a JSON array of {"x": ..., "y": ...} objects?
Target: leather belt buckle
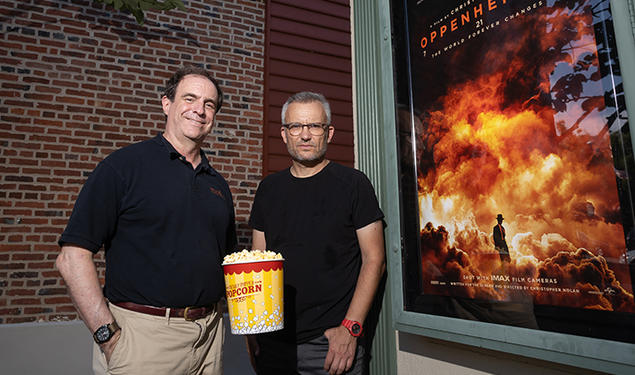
[{"x": 187, "y": 309}]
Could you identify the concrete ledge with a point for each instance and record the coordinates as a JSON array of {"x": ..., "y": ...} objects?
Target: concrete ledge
[{"x": 52, "y": 348}]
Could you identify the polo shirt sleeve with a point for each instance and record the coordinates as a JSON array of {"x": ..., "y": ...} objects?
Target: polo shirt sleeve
[
  {"x": 94, "y": 218},
  {"x": 365, "y": 205}
]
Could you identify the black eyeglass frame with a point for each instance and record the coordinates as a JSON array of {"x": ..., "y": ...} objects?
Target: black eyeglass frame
[{"x": 295, "y": 128}]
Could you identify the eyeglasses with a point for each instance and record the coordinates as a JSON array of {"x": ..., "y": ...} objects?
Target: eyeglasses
[{"x": 315, "y": 128}]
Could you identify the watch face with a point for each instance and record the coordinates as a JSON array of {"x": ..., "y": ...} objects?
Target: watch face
[
  {"x": 355, "y": 328},
  {"x": 102, "y": 334}
]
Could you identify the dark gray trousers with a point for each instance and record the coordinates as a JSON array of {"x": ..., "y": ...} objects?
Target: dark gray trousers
[{"x": 304, "y": 359}]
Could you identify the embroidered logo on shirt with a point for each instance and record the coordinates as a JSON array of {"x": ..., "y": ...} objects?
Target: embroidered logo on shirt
[{"x": 217, "y": 192}]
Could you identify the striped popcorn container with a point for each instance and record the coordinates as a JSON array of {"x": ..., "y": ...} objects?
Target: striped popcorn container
[{"x": 254, "y": 296}]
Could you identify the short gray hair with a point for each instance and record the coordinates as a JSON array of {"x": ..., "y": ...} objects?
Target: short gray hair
[{"x": 308, "y": 97}]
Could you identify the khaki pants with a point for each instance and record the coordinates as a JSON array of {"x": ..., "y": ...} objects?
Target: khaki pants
[{"x": 162, "y": 345}]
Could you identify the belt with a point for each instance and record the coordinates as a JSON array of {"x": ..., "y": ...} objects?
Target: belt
[{"x": 188, "y": 313}]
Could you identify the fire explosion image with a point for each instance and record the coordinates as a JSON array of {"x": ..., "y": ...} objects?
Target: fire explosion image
[{"x": 517, "y": 184}]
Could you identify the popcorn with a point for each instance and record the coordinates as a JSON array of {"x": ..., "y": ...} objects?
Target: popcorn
[
  {"x": 254, "y": 287},
  {"x": 251, "y": 256}
]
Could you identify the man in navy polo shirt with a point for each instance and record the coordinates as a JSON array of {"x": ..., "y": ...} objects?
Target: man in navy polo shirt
[{"x": 165, "y": 218}]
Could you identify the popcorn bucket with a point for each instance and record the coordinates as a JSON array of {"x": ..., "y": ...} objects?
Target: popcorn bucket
[{"x": 254, "y": 296}]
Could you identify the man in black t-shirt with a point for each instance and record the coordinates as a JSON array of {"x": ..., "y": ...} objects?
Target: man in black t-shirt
[
  {"x": 165, "y": 218},
  {"x": 325, "y": 220}
]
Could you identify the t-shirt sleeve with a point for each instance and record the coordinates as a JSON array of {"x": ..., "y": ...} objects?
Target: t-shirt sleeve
[
  {"x": 365, "y": 205},
  {"x": 256, "y": 218},
  {"x": 94, "y": 217}
]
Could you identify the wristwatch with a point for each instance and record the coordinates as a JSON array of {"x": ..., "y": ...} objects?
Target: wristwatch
[
  {"x": 105, "y": 332},
  {"x": 354, "y": 327}
]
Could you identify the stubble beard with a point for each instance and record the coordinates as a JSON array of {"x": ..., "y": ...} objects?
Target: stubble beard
[{"x": 307, "y": 160}]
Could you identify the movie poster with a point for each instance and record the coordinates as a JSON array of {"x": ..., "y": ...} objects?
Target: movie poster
[{"x": 516, "y": 164}]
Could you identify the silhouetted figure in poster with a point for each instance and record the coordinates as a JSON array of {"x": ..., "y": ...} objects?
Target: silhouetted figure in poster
[{"x": 499, "y": 239}]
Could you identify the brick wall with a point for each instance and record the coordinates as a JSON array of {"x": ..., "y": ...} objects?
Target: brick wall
[{"x": 79, "y": 80}]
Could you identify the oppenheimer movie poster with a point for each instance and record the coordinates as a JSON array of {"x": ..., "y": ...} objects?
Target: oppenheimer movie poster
[{"x": 518, "y": 137}]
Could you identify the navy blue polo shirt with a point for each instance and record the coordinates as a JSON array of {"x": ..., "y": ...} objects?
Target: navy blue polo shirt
[{"x": 164, "y": 225}]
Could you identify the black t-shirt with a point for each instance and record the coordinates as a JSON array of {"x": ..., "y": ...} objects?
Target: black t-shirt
[
  {"x": 164, "y": 225},
  {"x": 312, "y": 222}
]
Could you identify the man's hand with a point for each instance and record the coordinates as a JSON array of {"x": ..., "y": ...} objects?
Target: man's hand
[
  {"x": 109, "y": 346},
  {"x": 342, "y": 346},
  {"x": 253, "y": 349}
]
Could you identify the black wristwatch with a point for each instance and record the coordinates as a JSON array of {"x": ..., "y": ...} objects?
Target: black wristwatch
[{"x": 105, "y": 332}]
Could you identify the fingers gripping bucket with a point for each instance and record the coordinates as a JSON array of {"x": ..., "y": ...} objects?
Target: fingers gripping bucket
[{"x": 254, "y": 296}]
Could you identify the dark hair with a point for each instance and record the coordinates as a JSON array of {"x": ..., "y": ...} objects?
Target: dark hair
[{"x": 173, "y": 82}]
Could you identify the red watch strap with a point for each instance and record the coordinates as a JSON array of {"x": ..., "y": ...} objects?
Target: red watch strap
[{"x": 353, "y": 326}]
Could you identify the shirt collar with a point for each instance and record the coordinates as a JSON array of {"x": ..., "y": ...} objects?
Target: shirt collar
[{"x": 204, "y": 165}]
